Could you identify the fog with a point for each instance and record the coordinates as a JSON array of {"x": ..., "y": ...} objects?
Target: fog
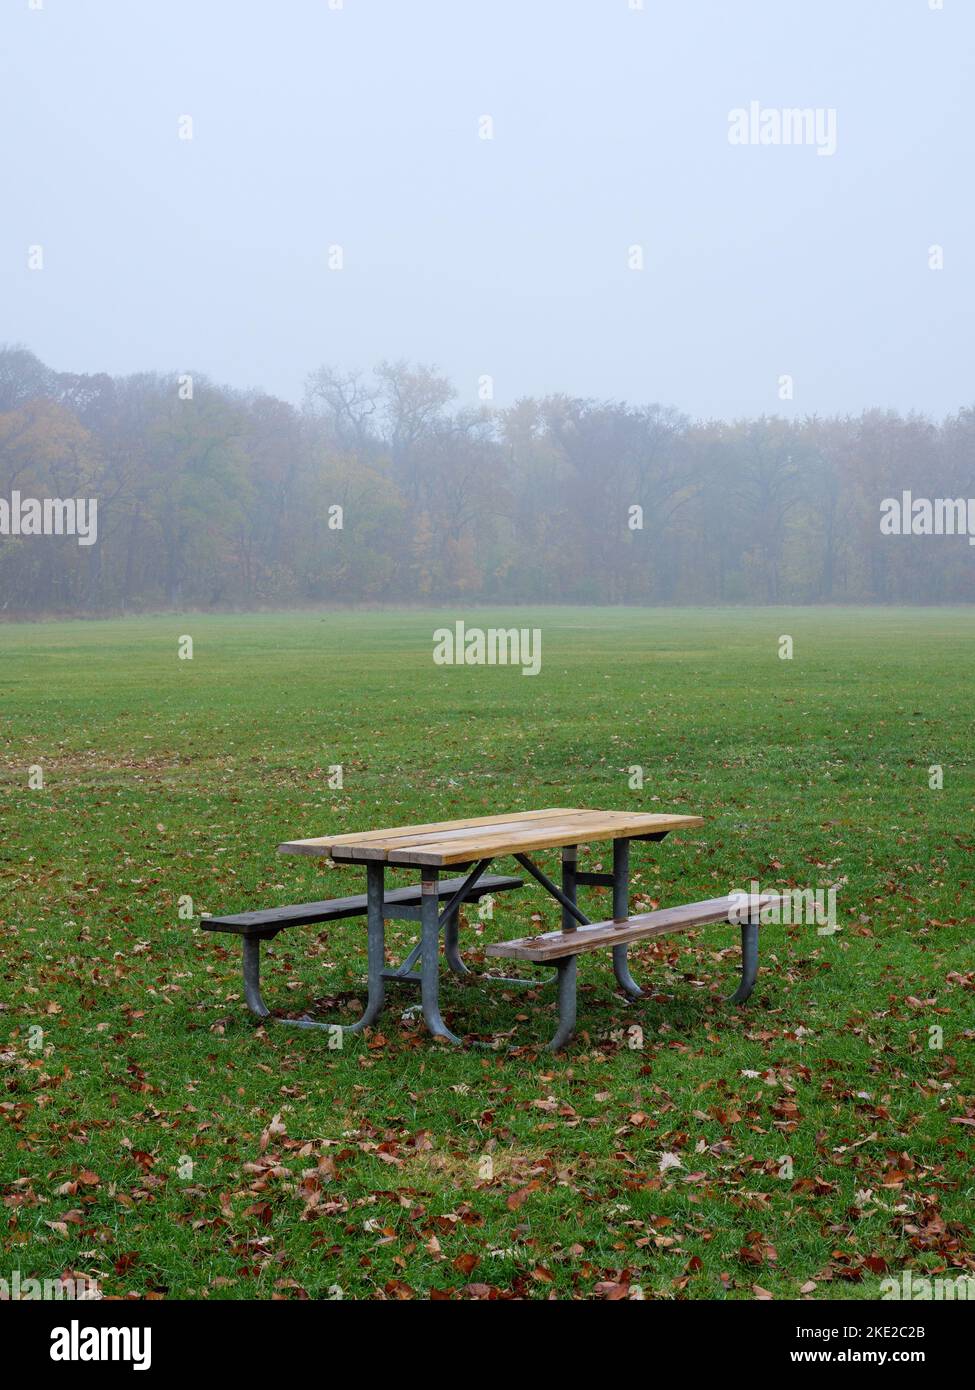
[{"x": 360, "y": 126}]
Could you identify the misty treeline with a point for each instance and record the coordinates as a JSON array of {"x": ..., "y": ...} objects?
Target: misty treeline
[{"x": 224, "y": 498}]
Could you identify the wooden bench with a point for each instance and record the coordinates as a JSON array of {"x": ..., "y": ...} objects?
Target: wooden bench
[
  {"x": 255, "y": 927},
  {"x": 561, "y": 948}
]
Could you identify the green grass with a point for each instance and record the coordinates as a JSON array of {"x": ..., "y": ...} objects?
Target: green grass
[{"x": 367, "y": 1169}]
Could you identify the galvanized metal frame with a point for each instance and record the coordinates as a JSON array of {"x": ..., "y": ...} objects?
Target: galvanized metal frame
[
  {"x": 432, "y": 921},
  {"x": 376, "y": 950},
  {"x": 619, "y": 882}
]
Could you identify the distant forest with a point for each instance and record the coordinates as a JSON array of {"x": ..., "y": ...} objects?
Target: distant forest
[{"x": 383, "y": 488}]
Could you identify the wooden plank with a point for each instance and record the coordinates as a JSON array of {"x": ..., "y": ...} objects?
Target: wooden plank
[
  {"x": 556, "y": 944},
  {"x": 575, "y": 831},
  {"x": 465, "y": 841},
  {"x": 560, "y": 820},
  {"x": 433, "y": 827},
  {"x": 336, "y": 909},
  {"x": 322, "y": 845}
]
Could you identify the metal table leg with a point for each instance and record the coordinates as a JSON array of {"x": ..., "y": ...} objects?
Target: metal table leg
[
  {"x": 451, "y": 948},
  {"x": 749, "y": 960},
  {"x": 621, "y": 914},
  {"x": 252, "y": 977},
  {"x": 430, "y": 959},
  {"x": 570, "y": 857},
  {"x": 376, "y": 956},
  {"x": 567, "y": 1002}
]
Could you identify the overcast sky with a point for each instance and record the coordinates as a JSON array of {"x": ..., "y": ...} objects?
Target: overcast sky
[{"x": 360, "y": 127}]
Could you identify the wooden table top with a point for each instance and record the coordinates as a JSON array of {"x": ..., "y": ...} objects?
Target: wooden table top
[{"x": 461, "y": 841}]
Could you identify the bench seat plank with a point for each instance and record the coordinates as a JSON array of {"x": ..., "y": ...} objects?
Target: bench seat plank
[
  {"x": 271, "y": 920},
  {"x": 555, "y": 945}
]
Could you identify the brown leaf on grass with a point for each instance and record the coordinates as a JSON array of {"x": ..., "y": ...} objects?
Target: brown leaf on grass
[
  {"x": 818, "y": 1185},
  {"x": 465, "y": 1264},
  {"x": 757, "y": 1251},
  {"x": 610, "y": 1291},
  {"x": 397, "y": 1290},
  {"x": 519, "y": 1198},
  {"x": 274, "y": 1128},
  {"x": 260, "y": 1210}
]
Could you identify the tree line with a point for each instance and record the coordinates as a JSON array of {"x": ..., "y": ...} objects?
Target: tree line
[{"x": 382, "y": 487}]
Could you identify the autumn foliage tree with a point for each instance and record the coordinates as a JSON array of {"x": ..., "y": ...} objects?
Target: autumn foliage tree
[{"x": 383, "y": 487}]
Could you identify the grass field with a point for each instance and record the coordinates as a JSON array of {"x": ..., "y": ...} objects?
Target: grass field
[{"x": 810, "y": 1144}]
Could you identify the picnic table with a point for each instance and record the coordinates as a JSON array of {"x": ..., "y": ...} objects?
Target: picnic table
[{"x": 472, "y": 845}]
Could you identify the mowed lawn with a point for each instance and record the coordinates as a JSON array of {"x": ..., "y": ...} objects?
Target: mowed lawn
[{"x": 810, "y": 1144}]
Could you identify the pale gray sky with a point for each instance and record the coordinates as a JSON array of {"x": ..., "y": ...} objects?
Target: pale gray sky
[{"x": 359, "y": 126}]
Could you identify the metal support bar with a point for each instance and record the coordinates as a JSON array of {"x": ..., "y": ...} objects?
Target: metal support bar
[
  {"x": 376, "y": 947},
  {"x": 621, "y": 915},
  {"x": 252, "y": 977},
  {"x": 621, "y": 882},
  {"x": 594, "y": 880},
  {"x": 401, "y": 912},
  {"x": 567, "y": 1002},
  {"x": 405, "y": 971},
  {"x": 621, "y": 970},
  {"x": 551, "y": 888},
  {"x": 463, "y": 890},
  {"x": 749, "y": 961},
  {"x": 451, "y": 946},
  {"x": 449, "y": 921},
  {"x": 430, "y": 958},
  {"x": 570, "y": 878}
]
